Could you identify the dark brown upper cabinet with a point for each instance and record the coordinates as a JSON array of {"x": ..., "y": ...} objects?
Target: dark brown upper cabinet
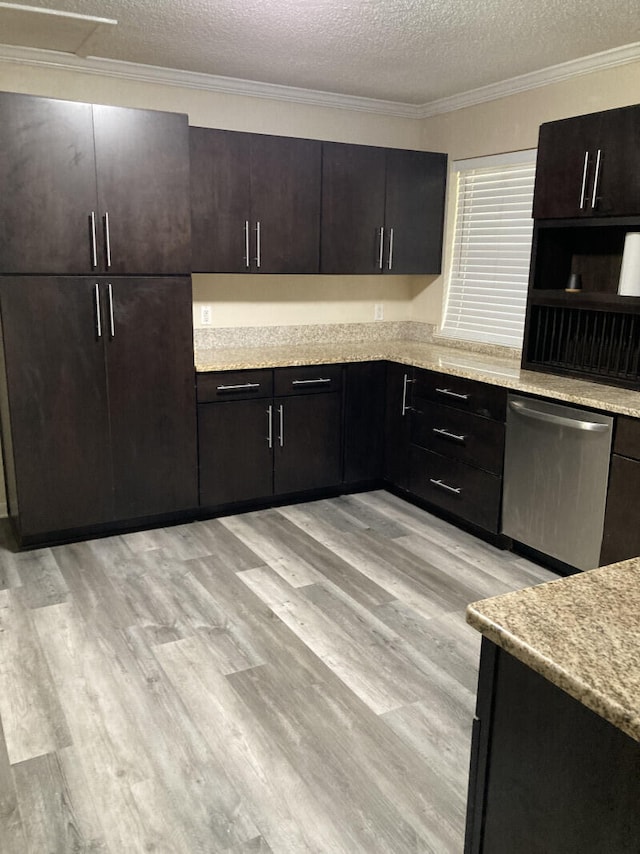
[
  {"x": 92, "y": 189},
  {"x": 382, "y": 210},
  {"x": 255, "y": 202},
  {"x": 589, "y": 166}
]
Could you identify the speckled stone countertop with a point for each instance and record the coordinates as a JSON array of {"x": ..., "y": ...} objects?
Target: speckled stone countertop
[
  {"x": 496, "y": 370},
  {"x": 582, "y": 633}
]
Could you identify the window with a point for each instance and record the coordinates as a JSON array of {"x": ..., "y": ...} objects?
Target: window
[{"x": 487, "y": 286}]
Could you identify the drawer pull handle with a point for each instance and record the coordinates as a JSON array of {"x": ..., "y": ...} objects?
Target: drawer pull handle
[
  {"x": 239, "y": 387},
  {"x": 447, "y": 435},
  {"x": 456, "y": 489},
  {"x": 322, "y": 380},
  {"x": 455, "y": 394}
]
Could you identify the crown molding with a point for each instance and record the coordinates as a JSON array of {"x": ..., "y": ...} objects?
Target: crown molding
[
  {"x": 534, "y": 80},
  {"x": 233, "y": 86},
  {"x": 208, "y": 82}
]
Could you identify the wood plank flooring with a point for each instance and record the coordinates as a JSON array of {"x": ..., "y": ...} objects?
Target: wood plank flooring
[{"x": 286, "y": 681}]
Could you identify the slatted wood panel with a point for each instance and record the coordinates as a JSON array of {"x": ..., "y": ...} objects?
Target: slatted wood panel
[{"x": 287, "y": 681}]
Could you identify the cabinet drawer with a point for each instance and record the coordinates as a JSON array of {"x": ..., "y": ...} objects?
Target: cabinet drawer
[
  {"x": 307, "y": 379},
  {"x": 627, "y": 438},
  {"x": 234, "y": 385},
  {"x": 460, "y": 393},
  {"x": 460, "y": 489},
  {"x": 460, "y": 435}
]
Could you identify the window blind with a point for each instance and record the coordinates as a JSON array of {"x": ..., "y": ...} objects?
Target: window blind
[{"x": 487, "y": 286}]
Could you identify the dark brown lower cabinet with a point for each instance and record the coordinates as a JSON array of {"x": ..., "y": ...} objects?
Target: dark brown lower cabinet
[
  {"x": 254, "y": 446},
  {"x": 621, "y": 536},
  {"x": 364, "y": 422},
  {"x": 547, "y": 774},
  {"x": 98, "y": 401},
  {"x": 397, "y": 424}
]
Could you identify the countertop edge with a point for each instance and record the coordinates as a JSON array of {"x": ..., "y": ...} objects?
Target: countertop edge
[{"x": 598, "y": 702}]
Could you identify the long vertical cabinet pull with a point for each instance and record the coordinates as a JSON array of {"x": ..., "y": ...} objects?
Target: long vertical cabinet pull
[
  {"x": 258, "y": 245},
  {"x": 247, "y": 259},
  {"x": 112, "y": 324},
  {"x": 405, "y": 383},
  {"x": 270, "y": 426},
  {"x": 281, "y": 415},
  {"x": 107, "y": 239},
  {"x": 96, "y": 294},
  {"x": 390, "y": 258},
  {"x": 596, "y": 180},
  {"x": 94, "y": 241},
  {"x": 583, "y": 191},
  {"x": 381, "y": 250}
]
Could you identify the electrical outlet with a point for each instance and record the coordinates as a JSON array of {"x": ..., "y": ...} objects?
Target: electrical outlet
[
  {"x": 205, "y": 315},
  {"x": 378, "y": 311}
]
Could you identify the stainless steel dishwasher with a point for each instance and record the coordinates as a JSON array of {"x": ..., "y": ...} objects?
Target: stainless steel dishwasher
[{"x": 555, "y": 479}]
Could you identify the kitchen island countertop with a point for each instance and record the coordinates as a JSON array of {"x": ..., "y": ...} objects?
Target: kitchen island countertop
[
  {"x": 495, "y": 370},
  {"x": 581, "y": 633}
]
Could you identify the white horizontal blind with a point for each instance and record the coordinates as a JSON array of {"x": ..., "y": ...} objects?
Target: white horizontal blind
[{"x": 487, "y": 287}]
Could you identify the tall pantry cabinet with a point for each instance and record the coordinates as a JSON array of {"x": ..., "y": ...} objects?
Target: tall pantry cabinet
[{"x": 98, "y": 386}]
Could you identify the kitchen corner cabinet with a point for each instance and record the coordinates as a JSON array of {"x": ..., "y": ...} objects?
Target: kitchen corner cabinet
[
  {"x": 264, "y": 433},
  {"x": 364, "y": 404},
  {"x": 255, "y": 202},
  {"x": 589, "y": 166},
  {"x": 98, "y": 401},
  {"x": 397, "y": 424},
  {"x": 91, "y": 189},
  {"x": 382, "y": 210},
  {"x": 547, "y": 774},
  {"x": 621, "y": 537}
]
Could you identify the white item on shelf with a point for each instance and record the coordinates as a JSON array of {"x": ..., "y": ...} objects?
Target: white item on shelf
[{"x": 629, "y": 285}]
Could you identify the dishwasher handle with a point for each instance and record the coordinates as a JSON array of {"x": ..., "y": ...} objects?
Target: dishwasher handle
[{"x": 560, "y": 420}]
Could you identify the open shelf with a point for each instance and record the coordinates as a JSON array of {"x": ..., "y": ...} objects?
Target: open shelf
[{"x": 584, "y": 299}]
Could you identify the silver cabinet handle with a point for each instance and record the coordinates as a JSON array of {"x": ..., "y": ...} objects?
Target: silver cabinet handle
[
  {"x": 405, "y": 383},
  {"x": 442, "y": 485},
  {"x": 447, "y": 435},
  {"x": 107, "y": 238},
  {"x": 258, "y": 246},
  {"x": 596, "y": 180},
  {"x": 247, "y": 259},
  {"x": 111, "y": 319},
  {"x": 281, "y": 436},
  {"x": 455, "y": 394},
  {"x": 238, "y": 387},
  {"x": 319, "y": 380},
  {"x": 390, "y": 260},
  {"x": 584, "y": 180},
  {"x": 559, "y": 420},
  {"x": 381, "y": 249},
  {"x": 270, "y": 426},
  {"x": 96, "y": 294},
  {"x": 94, "y": 244}
]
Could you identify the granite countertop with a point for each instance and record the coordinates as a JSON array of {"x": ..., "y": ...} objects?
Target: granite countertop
[
  {"x": 582, "y": 633},
  {"x": 496, "y": 370}
]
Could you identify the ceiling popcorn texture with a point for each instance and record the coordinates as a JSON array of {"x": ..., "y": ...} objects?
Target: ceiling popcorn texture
[{"x": 409, "y": 51}]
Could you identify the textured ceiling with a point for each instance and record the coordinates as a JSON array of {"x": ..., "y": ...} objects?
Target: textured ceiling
[{"x": 410, "y": 51}]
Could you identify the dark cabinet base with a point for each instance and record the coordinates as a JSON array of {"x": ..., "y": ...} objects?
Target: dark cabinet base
[{"x": 547, "y": 774}]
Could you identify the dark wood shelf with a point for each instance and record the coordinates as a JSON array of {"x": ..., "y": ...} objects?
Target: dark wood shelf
[{"x": 585, "y": 299}]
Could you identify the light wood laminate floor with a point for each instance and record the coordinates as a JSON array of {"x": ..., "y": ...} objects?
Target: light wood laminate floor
[{"x": 287, "y": 681}]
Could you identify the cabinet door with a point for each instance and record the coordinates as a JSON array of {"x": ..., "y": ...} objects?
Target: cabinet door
[
  {"x": 56, "y": 432},
  {"x": 415, "y": 192},
  {"x": 567, "y": 152},
  {"x": 47, "y": 176},
  {"x": 397, "y": 424},
  {"x": 142, "y": 159},
  {"x": 353, "y": 197},
  {"x": 151, "y": 381},
  {"x": 236, "y": 460},
  {"x": 220, "y": 200},
  {"x": 308, "y": 442},
  {"x": 364, "y": 421},
  {"x": 618, "y": 186},
  {"x": 285, "y": 202},
  {"x": 621, "y": 537}
]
